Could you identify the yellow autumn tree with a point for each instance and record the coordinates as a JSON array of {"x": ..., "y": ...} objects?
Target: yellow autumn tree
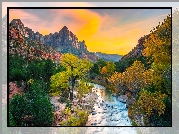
[
  {"x": 75, "y": 69},
  {"x": 104, "y": 71},
  {"x": 152, "y": 102},
  {"x": 133, "y": 79},
  {"x": 156, "y": 98},
  {"x": 158, "y": 47}
]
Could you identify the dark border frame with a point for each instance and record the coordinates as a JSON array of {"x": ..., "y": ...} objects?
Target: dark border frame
[{"x": 76, "y": 8}]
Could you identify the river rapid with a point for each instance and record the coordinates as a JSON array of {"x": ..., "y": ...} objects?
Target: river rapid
[{"x": 108, "y": 111}]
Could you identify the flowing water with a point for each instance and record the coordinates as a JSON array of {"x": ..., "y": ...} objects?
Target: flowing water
[{"x": 108, "y": 110}]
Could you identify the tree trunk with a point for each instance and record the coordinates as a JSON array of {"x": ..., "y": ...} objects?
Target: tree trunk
[
  {"x": 72, "y": 87},
  {"x": 72, "y": 84}
]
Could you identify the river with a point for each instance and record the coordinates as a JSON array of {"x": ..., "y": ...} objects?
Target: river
[{"x": 108, "y": 111}]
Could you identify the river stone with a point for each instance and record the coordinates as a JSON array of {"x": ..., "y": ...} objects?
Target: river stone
[
  {"x": 94, "y": 124},
  {"x": 93, "y": 113}
]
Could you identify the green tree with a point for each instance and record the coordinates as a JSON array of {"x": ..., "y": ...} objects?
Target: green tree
[
  {"x": 32, "y": 107},
  {"x": 111, "y": 67},
  {"x": 83, "y": 88},
  {"x": 59, "y": 83},
  {"x": 75, "y": 69}
]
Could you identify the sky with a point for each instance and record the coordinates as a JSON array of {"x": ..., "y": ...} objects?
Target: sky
[{"x": 111, "y": 31}]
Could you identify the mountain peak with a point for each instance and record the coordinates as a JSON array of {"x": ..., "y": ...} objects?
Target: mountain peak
[
  {"x": 64, "y": 40},
  {"x": 17, "y": 21},
  {"x": 65, "y": 27}
]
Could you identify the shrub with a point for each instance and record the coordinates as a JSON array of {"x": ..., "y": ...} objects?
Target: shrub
[{"x": 35, "y": 105}]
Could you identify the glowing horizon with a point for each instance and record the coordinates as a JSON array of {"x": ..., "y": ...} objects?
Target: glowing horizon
[{"x": 110, "y": 31}]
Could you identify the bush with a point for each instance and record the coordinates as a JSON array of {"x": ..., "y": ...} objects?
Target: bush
[
  {"x": 17, "y": 110},
  {"x": 68, "y": 104},
  {"x": 79, "y": 119},
  {"x": 35, "y": 105},
  {"x": 62, "y": 99}
]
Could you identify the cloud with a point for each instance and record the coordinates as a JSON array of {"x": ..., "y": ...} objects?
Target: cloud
[
  {"x": 122, "y": 38},
  {"x": 104, "y": 32}
]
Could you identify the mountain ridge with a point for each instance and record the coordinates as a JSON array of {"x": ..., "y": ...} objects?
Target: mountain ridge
[
  {"x": 63, "y": 41},
  {"x": 109, "y": 57}
]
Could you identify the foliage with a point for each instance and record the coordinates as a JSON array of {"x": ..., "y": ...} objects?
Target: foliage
[
  {"x": 123, "y": 64},
  {"x": 109, "y": 69},
  {"x": 79, "y": 118},
  {"x": 74, "y": 68},
  {"x": 59, "y": 83},
  {"x": 83, "y": 88},
  {"x": 154, "y": 101},
  {"x": 31, "y": 81},
  {"x": 16, "y": 70},
  {"x": 22, "y": 69},
  {"x": 96, "y": 68},
  {"x": 100, "y": 63},
  {"x": 17, "y": 109},
  {"x": 33, "y": 107},
  {"x": 41, "y": 69},
  {"x": 133, "y": 79},
  {"x": 104, "y": 71},
  {"x": 158, "y": 46},
  {"x": 11, "y": 120},
  {"x": 68, "y": 104}
]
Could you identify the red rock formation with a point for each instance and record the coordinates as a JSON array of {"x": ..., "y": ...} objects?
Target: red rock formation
[
  {"x": 63, "y": 41},
  {"x": 13, "y": 89}
]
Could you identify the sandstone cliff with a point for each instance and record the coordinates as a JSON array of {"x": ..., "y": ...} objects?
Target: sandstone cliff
[{"x": 63, "y": 41}]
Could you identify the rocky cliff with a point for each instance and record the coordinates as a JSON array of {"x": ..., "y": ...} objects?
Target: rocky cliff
[
  {"x": 21, "y": 44},
  {"x": 63, "y": 41},
  {"x": 136, "y": 51}
]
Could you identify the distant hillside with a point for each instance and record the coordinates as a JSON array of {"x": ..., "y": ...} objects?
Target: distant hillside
[{"x": 109, "y": 57}]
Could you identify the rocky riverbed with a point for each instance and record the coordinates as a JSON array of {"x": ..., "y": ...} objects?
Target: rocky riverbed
[{"x": 108, "y": 110}]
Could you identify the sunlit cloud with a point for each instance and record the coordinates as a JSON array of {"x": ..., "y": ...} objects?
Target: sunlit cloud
[{"x": 107, "y": 32}]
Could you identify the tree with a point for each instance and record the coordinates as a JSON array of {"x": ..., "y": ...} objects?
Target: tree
[
  {"x": 83, "y": 88},
  {"x": 133, "y": 79},
  {"x": 59, "y": 83},
  {"x": 154, "y": 101},
  {"x": 75, "y": 68},
  {"x": 148, "y": 105},
  {"x": 100, "y": 63},
  {"x": 33, "y": 107},
  {"x": 158, "y": 47},
  {"x": 108, "y": 69},
  {"x": 104, "y": 71}
]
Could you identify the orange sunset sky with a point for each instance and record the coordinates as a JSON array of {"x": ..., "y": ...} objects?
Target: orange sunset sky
[{"x": 111, "y": 31}]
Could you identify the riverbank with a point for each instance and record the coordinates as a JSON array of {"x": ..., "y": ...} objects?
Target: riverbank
[
  {"x": 86, "y": 103},
  {"x": 108, "y": 110},
  {"x": 123, "y": 98}
]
